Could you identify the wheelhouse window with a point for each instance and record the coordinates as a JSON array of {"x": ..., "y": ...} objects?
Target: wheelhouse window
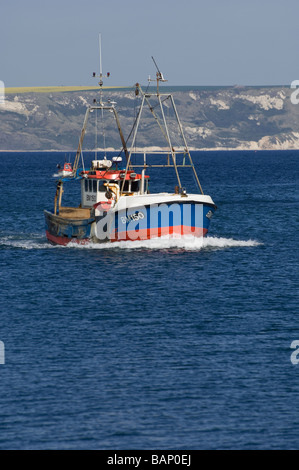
[
  {"x": 135, "y": 186},
  {"x": 130, "y": 186},
  {"x": 102, "y": 187},
  {"x": 126, "y": 187},
  {"x": 93, "y": 186},
  {"x": 90, "y": 186}
]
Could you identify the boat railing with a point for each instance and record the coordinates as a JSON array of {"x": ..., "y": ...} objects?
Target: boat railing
[{"x": 167, "y": 153}]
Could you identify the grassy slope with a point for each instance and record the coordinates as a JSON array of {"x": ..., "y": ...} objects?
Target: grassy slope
[{"x": 53, "y": 89}]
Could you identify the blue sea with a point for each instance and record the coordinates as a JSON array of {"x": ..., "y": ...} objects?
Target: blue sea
[{"x": 163, "y": 344}]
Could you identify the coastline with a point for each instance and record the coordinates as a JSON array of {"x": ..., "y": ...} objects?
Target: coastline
[
  {"x": 158, "y": 150},
  {"x": 227, "y": 119},
  {"x": 59, "y": 89}
]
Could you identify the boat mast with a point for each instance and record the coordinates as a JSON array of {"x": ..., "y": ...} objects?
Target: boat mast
[
  {"x": 99, "y": 106},
  {"x": 160, "y": 78}
]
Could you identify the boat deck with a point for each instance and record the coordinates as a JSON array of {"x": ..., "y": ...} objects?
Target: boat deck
[{"x": 74, "y": 212}]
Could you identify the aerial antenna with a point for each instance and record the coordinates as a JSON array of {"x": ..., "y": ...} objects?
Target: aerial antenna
[
  {"x": 101, "y": 96},
  {"x": 101, "y": 70},
  {"x": 100, "y": 47}
]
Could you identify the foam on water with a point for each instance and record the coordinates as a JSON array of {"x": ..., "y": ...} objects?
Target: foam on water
[
  {"x": 163, "y": 243},
  {"x": 183, "y": 243},
  {"x": 29, "y": 242}
]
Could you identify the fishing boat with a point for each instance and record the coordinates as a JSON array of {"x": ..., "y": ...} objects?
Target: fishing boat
[
  {"x": 66, "y": 170},
  {"x": 116, "y": 202}
]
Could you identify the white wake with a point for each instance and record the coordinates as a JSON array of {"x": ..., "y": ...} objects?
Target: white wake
[
  {"x": 187, "y": 243},
  {"x": 184, "y": 243}
]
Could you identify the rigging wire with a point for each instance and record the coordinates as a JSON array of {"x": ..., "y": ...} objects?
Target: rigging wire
[
  {"x": 104, "y": 135},
  {"x": 132, "y": 129},
  {"x": 96, "y": 133}
]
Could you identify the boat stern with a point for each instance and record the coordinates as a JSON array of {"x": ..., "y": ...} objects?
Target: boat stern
[{"x": 62, "y": 230}]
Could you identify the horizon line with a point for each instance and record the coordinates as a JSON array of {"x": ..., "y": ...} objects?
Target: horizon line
[{"x": 66, "y": 88}]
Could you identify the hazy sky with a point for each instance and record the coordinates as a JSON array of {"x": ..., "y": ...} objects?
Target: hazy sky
[{"x": 195, "y": 42}]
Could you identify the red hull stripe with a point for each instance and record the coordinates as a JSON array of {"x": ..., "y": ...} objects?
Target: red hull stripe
[
  {"x": 148, "y": 233},
  {"x": 144, "y": 234},
  {"x": 65, "y": 240}
]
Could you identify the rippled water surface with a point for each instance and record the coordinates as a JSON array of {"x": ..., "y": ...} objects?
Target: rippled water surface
[{"x": 163, "y": 344}]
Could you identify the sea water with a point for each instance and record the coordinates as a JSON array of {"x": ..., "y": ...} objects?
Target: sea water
[{"x": 160, "y": 344}]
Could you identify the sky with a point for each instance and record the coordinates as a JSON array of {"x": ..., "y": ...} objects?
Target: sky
[{"x": 194, "y": 42}]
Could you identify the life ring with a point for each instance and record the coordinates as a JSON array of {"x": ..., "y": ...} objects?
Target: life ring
[{"x": 103, "y": 205}]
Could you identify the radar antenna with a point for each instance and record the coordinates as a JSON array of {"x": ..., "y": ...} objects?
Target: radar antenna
[{"x": 159, "y": 76}]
